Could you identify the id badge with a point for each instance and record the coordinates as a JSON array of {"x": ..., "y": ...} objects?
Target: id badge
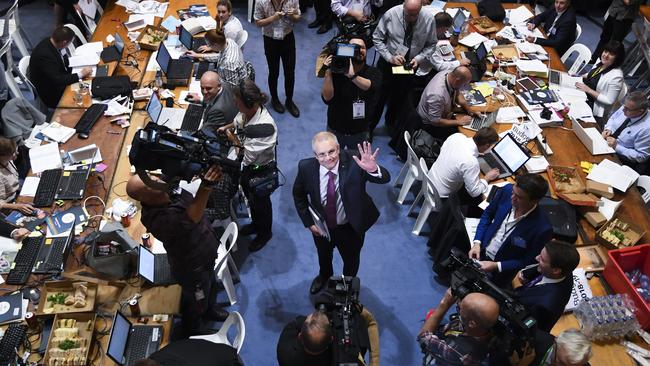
[
  {"x": 359, "y": 109},
  {"x": 199, "y": 295},
  {"x": 401, "y": 50},
  {"x": 278, "y": 33}
]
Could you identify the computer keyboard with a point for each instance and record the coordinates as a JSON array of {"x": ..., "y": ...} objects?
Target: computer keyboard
[
  {"x": 75, "y": 184},
  {"x": 192, "y": 118},
  {"x": 139, "y": 342},
  {"x": 11, "y": 341},
  {"x": 163, "y": 273},
  {"x": 477, "y": 123},
  {"x": 88, "y": 119},
  {"x": 492, "y": 162},
  {"x": 47, "y": 187},
  {"x": 54, "y": 260},
  {"x": 24, "y": 261}
]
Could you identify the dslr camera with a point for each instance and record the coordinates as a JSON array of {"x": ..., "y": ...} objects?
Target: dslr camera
[{"x": 342, "y": 53}]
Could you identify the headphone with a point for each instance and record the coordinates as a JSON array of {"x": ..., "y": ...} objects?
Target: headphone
[{"x": 248, "y": 101}]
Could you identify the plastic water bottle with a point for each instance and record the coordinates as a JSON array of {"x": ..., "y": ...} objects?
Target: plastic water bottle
[{"x": 607, "y": 317}]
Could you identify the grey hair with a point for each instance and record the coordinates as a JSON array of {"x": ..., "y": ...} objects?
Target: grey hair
[
  {"x": 323, "y": 136},
  {"x": 576, "y": 345},
  {"x": 638, "y": 98}
]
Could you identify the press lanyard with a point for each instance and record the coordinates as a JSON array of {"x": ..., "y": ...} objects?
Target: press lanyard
[{"x": 274, "y": 7}]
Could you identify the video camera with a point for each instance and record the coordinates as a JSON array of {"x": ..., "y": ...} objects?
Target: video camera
[
  {"x": 516, "y": 327},
  {"x": 342, "y": 52},
  {"x": 340, "y": 301}
]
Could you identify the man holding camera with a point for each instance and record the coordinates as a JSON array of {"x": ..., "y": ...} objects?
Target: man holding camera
[
  {"x": 191, "y": 245},
  {"x": 350, "y": 96},
  {"x": 218, "y": 101},
  {"x": 465, "y": 339}
]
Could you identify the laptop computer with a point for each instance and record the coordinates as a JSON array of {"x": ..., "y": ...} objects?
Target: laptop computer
[
  {"x": 170, "y": 117},
  {"x": 113, "y": 52},
  {"x": 507, "y": 155},
  {"x": 562, "y": 79},
  {"x": 72, "y": 184},
  {"x": 476, "y": 56},
  {"x": 54, "y": 252},
  {"x": 591, "y": 138},
  {"x": 178, "y": 72},
  {"x": 484, "y": 120},
  {"x": 154, "y": 267},
  {"x": 459, "y": 20},
  {"x": 129, "y": 343},
  {"x": 189, "y": 41}
]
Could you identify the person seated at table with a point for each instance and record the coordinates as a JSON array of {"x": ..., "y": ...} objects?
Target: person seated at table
[
  {"x": 628, "y": 132},
  {"x": 570, "y": 348},
  {"x": 513, "y": 229},
  {"x": 193, "y": 352},
  {"x": 48, "y": 67},
  {"x": 547, "y": 290},
  {"x": 603, "y": 83},
  {"x": 438, "y": 99},
  {"x": 225, "y": 54},
  {"x": 9, "y": 183},
  {"x": 218, "y": 101},
  {"x": 9, "y": 230},
  {"x": 226, "y": 22},
  {"x": 559, "y": 25}
]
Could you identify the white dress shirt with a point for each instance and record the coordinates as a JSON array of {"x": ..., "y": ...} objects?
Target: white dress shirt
[{"x": 456, "y": 165}]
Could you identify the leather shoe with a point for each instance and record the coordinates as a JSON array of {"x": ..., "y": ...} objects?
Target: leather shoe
[
  {"x": 316, "y": 285},
  {"x": 277, "y": 105},
  {"x": 259, "y": 242},
  {"x": 314, "y": 24},
  {"x": 292, "y": 108},
  {"x": 247, "y": 229},
  {"x": 216, "y": 314},
  {"x": 324, "y": 28}
]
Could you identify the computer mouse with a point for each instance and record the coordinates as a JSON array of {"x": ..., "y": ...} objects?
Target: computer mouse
[
  {"x": 188, "y": 98},
  {"x": 83, "y": 135}
]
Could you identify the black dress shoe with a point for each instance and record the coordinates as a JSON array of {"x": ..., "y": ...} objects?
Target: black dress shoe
[
  {"x": 277, "y": 105},
  {"x": 292, "y": 108},
  {"x": 247, "y": 229},
  {"x": 314, "y": 24},
  {"x": 324, "y": 28},
  {"x": 216, "y": 314},
  {"x": 259, "y": 242},
  {"x": 316, "y": 285}
]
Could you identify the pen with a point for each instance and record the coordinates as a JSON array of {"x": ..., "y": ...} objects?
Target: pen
[{"x": 113, "y": 132}]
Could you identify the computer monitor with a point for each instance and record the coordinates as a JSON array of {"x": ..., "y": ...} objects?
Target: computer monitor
[
  {"x": 512, "y": 155},
  {"x": 459, "y": 19},
  {"x": 163, "y": 58},
  {"x": 481, "y": 52},
  {"x": 146, "y": 264},
  {"x": 119, "y": 338},
  {"x": 154, "y": 108},
  {"x": 186, "y": 38}
]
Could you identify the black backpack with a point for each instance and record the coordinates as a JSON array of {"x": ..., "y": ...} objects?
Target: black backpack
[
  {"x": 492, "y": 9},
  {"x": 107, "y": 87},
  {"x": 426, "y": 146}
]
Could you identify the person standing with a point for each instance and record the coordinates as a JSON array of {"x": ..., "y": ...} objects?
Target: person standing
[
  {"x": 276, "y": 17},
  {"x": 226, "y": 22},
  {"x": 331, "y": 185},
  {"x": 618, "y": 21}
]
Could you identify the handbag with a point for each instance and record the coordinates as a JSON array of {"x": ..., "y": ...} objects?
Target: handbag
[
  {"x": 119, "y": 265},
  {"x": 426, "y": 146},
  {"x": 264, "y": 180},
  {"x": 492, "y": 9}
]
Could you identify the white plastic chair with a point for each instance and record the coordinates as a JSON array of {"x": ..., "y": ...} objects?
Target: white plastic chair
[
  {"x": 644, "y": 182},
  {"x": 412, "y": 172},
  {"x": 221, "y": 337},
  {"x": 90, "y": 21},
  {"x": 224, "y": 261},
  {"x": 242, "y": 37},
  {"x": 578, "y": 31},
  {"x": 583, "y": 57},
  {"x": 77, "y": 32},
  {"x": 432, "y": 200},
  {"x": 10, "y": 26},
  {"x": 622, "y": 93}
]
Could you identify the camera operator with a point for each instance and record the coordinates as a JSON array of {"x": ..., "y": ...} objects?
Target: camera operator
[
  {"x": 465, "y": 339},
  {"x": 258, "y": 158},
  {"x": 351, "y": 97},
  {"x": 191, "y": 245}
]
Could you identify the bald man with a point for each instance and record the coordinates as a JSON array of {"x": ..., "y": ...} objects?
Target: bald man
[
  {"x": 437, "y": 101},
  {"x": 218, "y": 101},
  {"x": 464, "y": 340},
  {"x": 191, "y": 244}
]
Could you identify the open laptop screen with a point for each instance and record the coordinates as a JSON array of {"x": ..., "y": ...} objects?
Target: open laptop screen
[
  {"x": 186, "y": 38},
  {"x": 154, "y": 108},
  {"x": 481, "y": 52},
  {"x": 146, "y": 264},
  {"x": 459, "y": 19},
  {"x": 119, "y": 44},
  {"x": 163, "y": 58},
  {"x": 119, "y": 338},
  {"x": 511, "y": 153}
]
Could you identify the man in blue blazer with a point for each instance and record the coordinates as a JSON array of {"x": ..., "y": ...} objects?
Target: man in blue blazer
[
  {"x": 547, "y": 289},
  {"x": 334, "y": 187},
  {"x": 513, "y": 229},
  {"x": 559, "y": 25}
]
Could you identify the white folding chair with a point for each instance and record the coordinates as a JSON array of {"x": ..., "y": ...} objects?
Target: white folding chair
[
  {"x": 582, "y": 58},
  {"x": 578, "y": 31},
  {"x": 10, "y": 26},
  {"x": 412, "y": 172},
  {"x": 242, "y": 37},
  {"x": 224, "y": 262},
  {"x": 221, "y": 337},
  {"x": 23, "y": 67},
  {"x": 644, "y": 182},
  {"x": 90, "y": 20},
  {"x": 77, "y": 32},
  {"x": 431, "y": 202}
]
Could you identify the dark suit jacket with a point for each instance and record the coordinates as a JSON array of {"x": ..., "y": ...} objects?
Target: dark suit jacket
[
  {"x": 565, "y": 29},
  {"x": 220, "y": 111},
  {"x": 546, "y": 302},
  {"x": 48, "y": 73},
  {"x": 6, "y": 228},
  {"x": 523, "y": 243},
  {"x": 360, "y": 211}
]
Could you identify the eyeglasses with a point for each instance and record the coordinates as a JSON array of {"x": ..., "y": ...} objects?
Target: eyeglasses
[
  {"x": 625, "y": 108},
  {"x": 324, "y": 155}
]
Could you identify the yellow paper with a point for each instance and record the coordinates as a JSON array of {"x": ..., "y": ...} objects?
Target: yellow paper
[{"x": 400, "y": 70}]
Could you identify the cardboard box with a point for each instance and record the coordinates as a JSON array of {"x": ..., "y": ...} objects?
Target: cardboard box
[
  {"x": 567, "y": 184},
  {"x": 150, "y": 37},
  {"x": 600, "y": 189},
  {"x": 619, "y": 233},
  {"x": 595, "y": 218},
  {"x": 78, "y": 351}
]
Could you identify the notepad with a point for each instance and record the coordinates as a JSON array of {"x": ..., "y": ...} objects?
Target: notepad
[{"x": 45, "y": 157}]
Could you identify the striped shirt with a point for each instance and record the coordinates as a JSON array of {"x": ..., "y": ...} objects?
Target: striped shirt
[
  {"x": 9, "y": 185},
  {"x": 229, "y": 63},
  {"x": 266, "y": 8}
]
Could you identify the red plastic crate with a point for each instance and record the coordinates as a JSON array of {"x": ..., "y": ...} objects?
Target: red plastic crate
[{"x": 625, "y": 260}]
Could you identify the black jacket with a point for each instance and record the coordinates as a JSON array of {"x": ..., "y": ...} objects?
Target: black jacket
[
  {"x": 564, "y": 33},
  {"x": 48, "y": 73},
  {"x": 546, "y": 302}
]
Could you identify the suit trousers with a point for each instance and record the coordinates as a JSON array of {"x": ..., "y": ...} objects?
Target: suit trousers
[
  {"x": 198, "y": 295},
  {"x": 612, "y": 30},
  {"x": 393, "y": 94},
  {"x": 323, "y": 10},
  {"x": 348, "y": 242},
  {"x": 261, "y": 207},
  {"x": 285, "y": 50}
]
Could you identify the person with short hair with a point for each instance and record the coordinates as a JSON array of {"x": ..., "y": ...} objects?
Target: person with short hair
[
  {"x": 226, "y": 22},
  {"x": 9, "y": 182},
  {"x": 513, "y": 229},
  {"x": 193, "y": 352},
  {"x": 465, "y": 339},
  {"x": 218, "y": 101},
  {"x": 628, "y": 132},
  {"x": 618, "y": 21},
  {"x": 547, "y": 291},
  {"x": 48, "y": 66},
  {"x": 225, "y": 54},
  {"x": 439, "y": 59},
  {"x": 559, "y": 24},
  {"x": 570, "y": 348}
]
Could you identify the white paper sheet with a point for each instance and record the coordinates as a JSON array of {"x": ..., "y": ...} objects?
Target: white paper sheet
[
  {"x": 29, "y": 187},
  {"x": 89, "y": 48},
  {"x": 32, "y": 141},
  {"x": 509, "y": 114},
  {"x": 535, "y": 66},
  {"x": 536, "y": 164},
  {"x": 519, "y": 15},
  {"x": 471, "y": 224},
  {"x": 86, "y": 59},
  {"x": 88, "y": 7},
  {"x": 607, "y": 172},
  {"x": 45, "y": 157},
  {"x": 581, "y": 110},
  {"x": 170, "y": 23},
  {"x": 609, "y": 207},
  {"x": 472, "y": 40}
]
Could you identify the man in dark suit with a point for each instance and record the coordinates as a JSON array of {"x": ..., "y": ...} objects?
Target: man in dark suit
[
  {"x": 559, "y": 25},
  {"x": 218, "y": 100},
  {"x": 335, "y": 188},
  {"x": 513, "y": 229},
  {"x": 547, "y": 285},
  {"x": 48, "y": 67}
]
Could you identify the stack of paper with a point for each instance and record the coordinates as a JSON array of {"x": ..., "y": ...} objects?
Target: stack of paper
[
  {"x": 58, "y": 132},
  {"x": 607, "y": 172},
  {"x": 472, "y": 40},
  {"x": 532, "y": 67},
  {"x": 29, "y": 187},
  {"x": 524, "y": 32},
  {"x": 170, "y": 23},
  {"x": 581, "y": 110},
  {"x": 536, "y": 164},
  {"x": 570, "y": 95},
  {"x": 527, "y": 47},
  {"x": 510, "y": 114},
  {"x": 485, "y": 87},
  {"x": 89, "y": 48},
  {"x": 519, "y": 15},
  {"x": 200, "y": 24},
  {"x": 86, "y": 59},
  {"x": 45, "y": 157}
]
